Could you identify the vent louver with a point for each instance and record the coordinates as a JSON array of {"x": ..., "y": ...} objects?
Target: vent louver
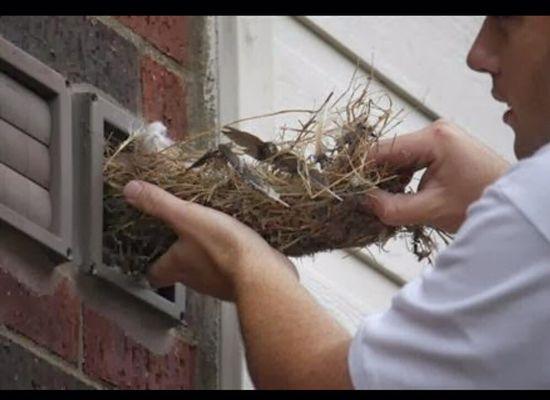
[{"x": 35, "y": 150}]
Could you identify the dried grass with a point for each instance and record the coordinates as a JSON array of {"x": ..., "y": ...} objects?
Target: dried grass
[{"x": 302, "y": 193}]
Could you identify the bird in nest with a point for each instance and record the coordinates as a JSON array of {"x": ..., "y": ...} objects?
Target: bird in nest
[{"x": 263, "y": 151}]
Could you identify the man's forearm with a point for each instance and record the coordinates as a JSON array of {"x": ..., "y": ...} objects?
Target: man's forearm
[{"x": 290, "y": 340}]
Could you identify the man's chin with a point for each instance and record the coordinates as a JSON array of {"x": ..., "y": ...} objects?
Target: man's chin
[
  {"x": 524, "y": 150},
  {"x": 520, "y": 154}
]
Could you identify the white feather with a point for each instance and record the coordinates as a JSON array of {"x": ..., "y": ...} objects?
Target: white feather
[{"x": 154, "y": 138}]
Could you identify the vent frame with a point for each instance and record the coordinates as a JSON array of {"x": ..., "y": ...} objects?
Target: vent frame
[{"x": 91, "y": 113}]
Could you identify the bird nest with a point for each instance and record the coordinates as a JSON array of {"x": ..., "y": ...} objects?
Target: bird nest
[{"x": 303, "y": 193}]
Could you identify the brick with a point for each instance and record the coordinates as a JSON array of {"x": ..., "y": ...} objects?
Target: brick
[
  {"x": 21, "y": 369},
  {"x": 111, "y": 356},
  {"x": 51, "y": 321},
  {"x": 163, "y": 97},
  {"x": 81, "y": 49},
  {"x": 166, "y": 33}
]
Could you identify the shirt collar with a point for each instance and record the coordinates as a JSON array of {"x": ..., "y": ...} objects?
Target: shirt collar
[{"x": 543, "y": 150}]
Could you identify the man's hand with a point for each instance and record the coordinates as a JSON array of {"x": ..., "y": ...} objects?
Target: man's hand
[
  {"x": 458, "y": 170},
  {"x": 290, "y": 340},
  {"x": 214, "y": 254}
]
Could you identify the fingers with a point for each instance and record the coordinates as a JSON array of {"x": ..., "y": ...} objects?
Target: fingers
[
  {"x": 165, "y": 271},
  {"x": 183, "y": 262},
  {"x": 411, "y": 151},
  {"x": 182, "y": 216},
  {"x": 402, "y": 209},
  {"x": 154, "y": 201}
]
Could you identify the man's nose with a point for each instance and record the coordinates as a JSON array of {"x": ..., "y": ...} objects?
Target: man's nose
[
  {"x": 481, "y": 61},
  {"x": 482, "y": 57}
]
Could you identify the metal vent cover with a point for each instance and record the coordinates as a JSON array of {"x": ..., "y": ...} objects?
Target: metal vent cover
[
  {"x": 36, "y": 177},
  {"x": 91, "y": 114}
]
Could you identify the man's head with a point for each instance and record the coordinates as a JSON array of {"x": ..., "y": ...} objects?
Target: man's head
[{"x": 515, "y": 51}]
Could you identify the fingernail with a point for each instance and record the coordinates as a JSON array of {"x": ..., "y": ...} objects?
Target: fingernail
[{"x": 132, "y": 189}]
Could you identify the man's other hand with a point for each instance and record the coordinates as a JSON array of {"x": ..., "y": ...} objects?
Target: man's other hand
[{"x": 458, "y": 169}]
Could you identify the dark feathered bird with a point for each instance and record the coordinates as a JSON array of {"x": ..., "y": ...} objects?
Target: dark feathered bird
[
  {"x": 284, "y": 161},
  {"x": 263, "y": 151}
]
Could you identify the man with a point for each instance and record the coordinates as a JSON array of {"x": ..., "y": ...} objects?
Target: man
[{"x": 478, "y": 319}]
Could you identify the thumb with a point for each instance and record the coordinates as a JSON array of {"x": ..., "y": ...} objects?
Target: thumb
[
  {"x": 400, "y": 208},
  {"x": 168, "y": 269}
]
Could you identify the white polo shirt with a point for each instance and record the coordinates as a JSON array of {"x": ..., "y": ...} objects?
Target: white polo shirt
[{"x": 480, "y": 318}]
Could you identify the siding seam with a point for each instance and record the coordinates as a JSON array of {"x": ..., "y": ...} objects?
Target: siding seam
[
  {"x": 353, "y": 57},
  {"x": 378, "y": 267}
]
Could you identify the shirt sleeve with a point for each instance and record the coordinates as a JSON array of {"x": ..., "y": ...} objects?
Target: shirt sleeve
[{"x": 478, "y": 319}]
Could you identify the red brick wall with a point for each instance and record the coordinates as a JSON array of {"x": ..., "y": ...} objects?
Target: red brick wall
[
  {"x": 163, "y": 91},
  {"x": 167, "y": 33},
  {"x": 163, "y": 96},
  {"x": 56, "y": 331}
]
